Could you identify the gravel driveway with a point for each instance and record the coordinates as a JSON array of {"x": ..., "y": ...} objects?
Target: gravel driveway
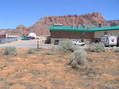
[{"x": 26, "y": 44}]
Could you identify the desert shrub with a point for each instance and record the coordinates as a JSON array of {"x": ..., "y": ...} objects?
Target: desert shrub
[
  {"x": 97, "y": 47},
  {"x": 92, "y": 70},
  {"x": 116, "y": 49},
  {"x": 79, "y": 57},
  {"x": 107, "y": 86},
  {"x": 52, "y": 52},
  {"x": 74, "y": 64},
  {"x": 10, "y": 51},
  {"x": 67, "y": 46},
  {"x": 32, "y": 50}
]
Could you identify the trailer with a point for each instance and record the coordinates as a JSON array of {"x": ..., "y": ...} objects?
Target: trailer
[{"x": 109, "y": 40}]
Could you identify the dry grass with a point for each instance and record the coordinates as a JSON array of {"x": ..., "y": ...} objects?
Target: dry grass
[{"x": 44, "y": 71}]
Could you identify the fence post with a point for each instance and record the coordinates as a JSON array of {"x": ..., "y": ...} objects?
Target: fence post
[{"x": 37, "y": 43}]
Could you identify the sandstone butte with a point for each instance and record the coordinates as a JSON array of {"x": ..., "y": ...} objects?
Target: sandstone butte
[{"x": 41, "y": 26}]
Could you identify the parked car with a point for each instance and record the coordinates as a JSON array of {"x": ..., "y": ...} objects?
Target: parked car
[
  {"x": 25, "y": 37},
  {"x": 78, "y": 42}
]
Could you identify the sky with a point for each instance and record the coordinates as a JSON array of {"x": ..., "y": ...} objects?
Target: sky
[{"x": 27, "y": 12}]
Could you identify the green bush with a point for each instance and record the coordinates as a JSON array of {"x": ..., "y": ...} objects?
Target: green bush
[
  {"x": 50, "y": 52},
  {"x": 31, "y": 51},
  {"x": 97, "y": 47},
  {"x": 74, "y": 64},
  {"x": 67, "y": 46},
  {"x": 79, "y": 57},
  {"x": 10, "y": 51}
]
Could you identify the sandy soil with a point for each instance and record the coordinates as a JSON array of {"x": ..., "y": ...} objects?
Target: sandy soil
[{"x": 50, "y": 71}]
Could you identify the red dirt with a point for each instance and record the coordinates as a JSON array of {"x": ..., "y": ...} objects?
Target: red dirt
[{"x": 43, "y": 71}]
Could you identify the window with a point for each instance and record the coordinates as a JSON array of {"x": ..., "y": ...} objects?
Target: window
[
  {"x": 82, "y": 33},
  {"x": 56, "y": 42}
]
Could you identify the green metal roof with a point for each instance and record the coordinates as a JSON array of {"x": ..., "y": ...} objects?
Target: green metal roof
[{"x": 81, "y": 28}]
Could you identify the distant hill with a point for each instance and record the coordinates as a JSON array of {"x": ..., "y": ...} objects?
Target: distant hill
[
  {"x": 113, "y": 21},
  {"x": 41, "y": 26}
]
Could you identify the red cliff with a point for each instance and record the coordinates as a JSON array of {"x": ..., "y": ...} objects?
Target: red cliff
[{"x": 41, "y": 26}]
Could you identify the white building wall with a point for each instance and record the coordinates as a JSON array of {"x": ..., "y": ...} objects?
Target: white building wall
[
  {"x": 61, "y": 39},
  {"x": 98, "y": 34},
  {"x": 42, "y": 39}
]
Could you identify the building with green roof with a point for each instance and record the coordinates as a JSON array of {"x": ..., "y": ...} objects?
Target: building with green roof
[{"x": 59, "y": 32}]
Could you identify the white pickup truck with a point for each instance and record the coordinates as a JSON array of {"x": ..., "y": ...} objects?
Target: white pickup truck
[{"x": 78, "y": 42}]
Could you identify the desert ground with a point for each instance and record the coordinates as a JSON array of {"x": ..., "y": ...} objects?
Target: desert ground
[{"x": 45, "y": 69}]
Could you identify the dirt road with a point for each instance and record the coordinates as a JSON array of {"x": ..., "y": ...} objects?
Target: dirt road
[{"x": 25, "y": 44}]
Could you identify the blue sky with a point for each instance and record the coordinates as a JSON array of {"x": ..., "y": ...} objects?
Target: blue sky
[{"x": 27, "y": 12}]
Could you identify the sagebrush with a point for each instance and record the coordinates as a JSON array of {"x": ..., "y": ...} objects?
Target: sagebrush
[
  {"x": 32, "y": 50},
  {"x": 50, "y": 52},
  {"x": 79, "y": 57},
  {"x": 97, "y": 47},
  {"x": 10, "y": 51},
  {"x": 67, "y": 46}
]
